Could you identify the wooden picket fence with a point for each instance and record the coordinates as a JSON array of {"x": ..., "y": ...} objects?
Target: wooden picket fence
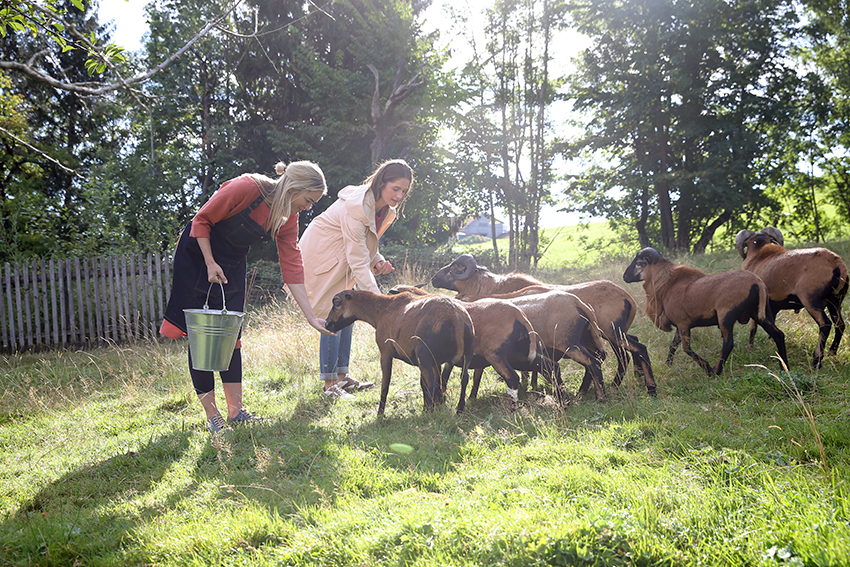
[{"x": 83, "y": 302}]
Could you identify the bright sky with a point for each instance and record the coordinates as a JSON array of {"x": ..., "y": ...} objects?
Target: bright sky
[{"x": 129, "y": 18}]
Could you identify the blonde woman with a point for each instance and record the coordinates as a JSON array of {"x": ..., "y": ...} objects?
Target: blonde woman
[
  {"x": 340, "y": 248},
  {"x": 214, "y": 248}
]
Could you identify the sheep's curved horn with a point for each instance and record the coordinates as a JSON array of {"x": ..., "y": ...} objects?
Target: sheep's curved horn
[
  {"x": 775, "y": 234},
  {"x": 740, "y": 239},
  {"x": 651, "y": 254},
  {"x": 464, "y": 267}
]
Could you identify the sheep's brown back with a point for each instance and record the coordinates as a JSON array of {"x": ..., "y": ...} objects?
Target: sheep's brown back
[
  {"x": 817, "y": 271},
  {"x": 486, "y": 283}
]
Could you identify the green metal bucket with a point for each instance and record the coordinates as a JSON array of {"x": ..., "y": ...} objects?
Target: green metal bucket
[{"x": 212, "y": 334}]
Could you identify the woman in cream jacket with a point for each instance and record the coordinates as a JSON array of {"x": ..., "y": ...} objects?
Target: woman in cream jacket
[{"x": 340, "y": 249}]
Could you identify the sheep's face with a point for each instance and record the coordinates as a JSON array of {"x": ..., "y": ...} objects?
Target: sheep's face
[
  {"x": 644, "y": 258},
  {"x": 340, "y": 316},
  {"x": 459, "y": 270}
]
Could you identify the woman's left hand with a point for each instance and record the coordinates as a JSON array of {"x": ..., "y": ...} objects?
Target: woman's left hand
[{"x": 383, "y": 267}]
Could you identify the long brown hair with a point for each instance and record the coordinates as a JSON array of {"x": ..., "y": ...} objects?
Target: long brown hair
[{"x": 387, "y": 171}]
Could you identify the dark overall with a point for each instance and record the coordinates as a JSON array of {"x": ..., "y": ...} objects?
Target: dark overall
[{"x": 230, "y": 240}]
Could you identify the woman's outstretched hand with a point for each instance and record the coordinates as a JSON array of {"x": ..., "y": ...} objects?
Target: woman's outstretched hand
[{"x": 319, "y": 325}]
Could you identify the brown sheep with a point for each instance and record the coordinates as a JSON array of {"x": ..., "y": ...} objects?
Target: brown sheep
[
  {"x": 567, "y": 328},
  {"x": 614, "y": 307},
  {"x": 814, "y": 279},
  {"x": 421, "y": 331},
  {"x": 684, "y": 298},
  {"x": 504, "y": 339}
]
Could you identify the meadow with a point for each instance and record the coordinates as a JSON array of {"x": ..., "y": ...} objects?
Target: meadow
[{"x": 106, "y": 459}]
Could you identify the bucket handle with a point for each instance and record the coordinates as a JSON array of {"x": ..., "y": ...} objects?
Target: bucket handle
[{"x": 207, "y": 301}]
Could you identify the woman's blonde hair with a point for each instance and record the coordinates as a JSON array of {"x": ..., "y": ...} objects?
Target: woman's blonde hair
[{"x": 296, "y": 178}]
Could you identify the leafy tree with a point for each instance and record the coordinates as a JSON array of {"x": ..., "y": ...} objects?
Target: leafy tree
[
  {"x": 822, "y": 165},
  {"x": 59, "y": 145},
  {"x": 682, "y": 103},
  {"x": 504, "y": 147}
]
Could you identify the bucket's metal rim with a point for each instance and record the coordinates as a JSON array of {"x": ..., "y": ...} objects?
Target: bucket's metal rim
[{"x": 215, "y": 312}]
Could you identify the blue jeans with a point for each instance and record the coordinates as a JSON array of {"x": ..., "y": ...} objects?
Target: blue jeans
[{"x": 334, "y": 353}]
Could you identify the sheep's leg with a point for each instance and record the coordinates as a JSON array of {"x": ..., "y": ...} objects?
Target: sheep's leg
[
  {"x": 444, "y": 377},
  {"x": 476, "y": 383},
  {"x": 510, "y": 377},
  {"x": 464, "y": 380},
  {"x": 386, "y": 372},
  {"x": 560, "y": 393},
  {"x": 834, "y": 306},
  {"x": 685, "y": 337},
  {"x": 622, "y": 356},
  {"x": 824, "y": 327},
  {"x": 592, "y": 367},
  {"x": 726, "y": 350},
  {"x": 428, "y": 379},
  {"x": 677, "y": 339},
  {"x": 769, "y": 325},
  {"x": 643, "y": 368},
  {"x": 753, "y": 329}
]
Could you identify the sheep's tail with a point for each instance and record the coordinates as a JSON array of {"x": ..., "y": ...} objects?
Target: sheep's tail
[{"x": 533, "y": 339}]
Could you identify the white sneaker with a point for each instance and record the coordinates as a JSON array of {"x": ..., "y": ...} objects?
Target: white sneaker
[{"x": 337, "y": 393}]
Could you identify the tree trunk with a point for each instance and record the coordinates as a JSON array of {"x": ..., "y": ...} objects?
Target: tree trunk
[{"x": 708, "y": 233}]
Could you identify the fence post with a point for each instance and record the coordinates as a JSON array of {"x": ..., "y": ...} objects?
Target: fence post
[
  {"x": 17, "y": 283},
  {"x": 53, "y": 292},
  {"x": 11, "y": 307},
  {"x": 35, "y": 302},
  {"x": 92, "y": 333}
]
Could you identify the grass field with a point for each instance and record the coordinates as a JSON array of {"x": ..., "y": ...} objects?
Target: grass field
[{"x": 106, "y": 459}]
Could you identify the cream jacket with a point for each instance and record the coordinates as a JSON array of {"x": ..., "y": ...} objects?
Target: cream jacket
[{"x": 340, "y": 247}]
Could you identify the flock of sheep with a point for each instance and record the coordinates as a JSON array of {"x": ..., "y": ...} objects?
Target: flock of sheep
[{"x": 515, "y": 322}]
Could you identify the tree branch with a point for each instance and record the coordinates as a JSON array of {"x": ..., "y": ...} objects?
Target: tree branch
[{"x": 97, "y": 89}]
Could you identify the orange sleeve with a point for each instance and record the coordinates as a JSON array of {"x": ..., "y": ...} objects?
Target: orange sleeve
[{"x": 289, "y": 253}]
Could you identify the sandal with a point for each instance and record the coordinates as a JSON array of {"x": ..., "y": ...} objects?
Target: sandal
[{"x": 350, "y": 384}]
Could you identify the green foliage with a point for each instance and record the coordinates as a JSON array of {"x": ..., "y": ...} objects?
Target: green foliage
[
  {"x": 679, "y": 131},
  {"x": 48, "y": 18}
]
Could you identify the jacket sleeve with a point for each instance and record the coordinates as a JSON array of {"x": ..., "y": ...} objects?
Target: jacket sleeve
[{"x": 357, "y": 254}]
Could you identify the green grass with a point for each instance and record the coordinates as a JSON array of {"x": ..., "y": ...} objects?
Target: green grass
[
  {"x": 577, "y": 245},
  {"x": 106, "y": 459}
]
